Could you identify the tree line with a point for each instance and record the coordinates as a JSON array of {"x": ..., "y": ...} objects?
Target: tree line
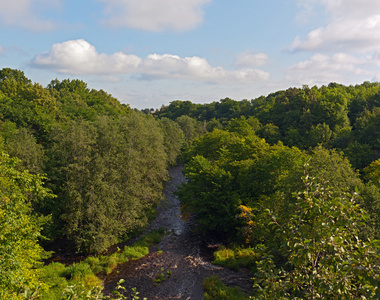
[{"x": 336, "y": 116}]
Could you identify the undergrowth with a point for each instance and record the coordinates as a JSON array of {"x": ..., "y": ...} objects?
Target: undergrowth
[
  {"x": 215, "y": 290},
  {"x": 235, "y": 258},
  {"x": 84, "y": 276}
]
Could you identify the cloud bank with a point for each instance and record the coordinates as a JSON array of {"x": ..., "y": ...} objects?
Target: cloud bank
[
  {"x": 154, "y": 15},
  {"x": 80, "y": 57}
]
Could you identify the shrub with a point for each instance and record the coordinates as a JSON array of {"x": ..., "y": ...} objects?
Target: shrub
[
  {"x": 216, "y": 290},
  {"x": 134, "y": 252},
  {"x": 234, "y": 258},
  {"x": 54, "y": 276},
  {"x": 78, "y": 271}
]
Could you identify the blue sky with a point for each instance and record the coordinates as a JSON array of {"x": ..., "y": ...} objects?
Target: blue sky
[{"x": 150, "y": 52}]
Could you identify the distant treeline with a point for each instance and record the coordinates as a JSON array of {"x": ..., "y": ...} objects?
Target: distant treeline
[{"x": 336, "y": 116}]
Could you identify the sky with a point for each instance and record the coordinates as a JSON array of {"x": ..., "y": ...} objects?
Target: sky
[{"x": 147, "y": 53}]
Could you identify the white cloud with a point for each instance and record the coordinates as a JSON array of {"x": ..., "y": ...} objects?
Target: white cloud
[
  {"x": 173, "y": 66},
  {"x": 354, "y": 26},
  {"x": 154, "y": 15},
  {"x": 249, "y": 59},
  {"x": 353, "y": 35},
  {"x": 80, "y": 57},
  {"x": 323, "y": 69},
  {"x": 25, "y": 14},
  {"x": 196, "y": 68}
]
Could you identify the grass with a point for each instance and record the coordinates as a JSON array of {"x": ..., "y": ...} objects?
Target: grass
[
  {"x": 235, "y": 258},
  {"x": 215, "y": 290},
  {"x": 151, "y": 238}
]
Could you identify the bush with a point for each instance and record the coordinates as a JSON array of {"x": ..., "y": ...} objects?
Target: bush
[
  {"x": 102, "y": 265},
  {"x": 80, "y": 279},
  {"x": 95, "y": 264},
  {"x": 234, "y": 258},
  {"x": 78, "y": 271},
  {"x": 133, "y": 252},
  {"x": 216, "y": 290},
  {"x": 54, "y": 276}
]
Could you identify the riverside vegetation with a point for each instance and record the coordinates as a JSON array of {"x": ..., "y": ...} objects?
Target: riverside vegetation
[{"x": 290, "y": 183}]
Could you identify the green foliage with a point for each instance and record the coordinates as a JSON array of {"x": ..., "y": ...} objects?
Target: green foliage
[
  {"x": 151, "y": 238},
  {"x": 20, "y": 143},
  {"x": 76, "y": 100},
  {"x": 162, "y": 276},
  {"x": 28, "y": 112},
  {"x": 12, "y": 80},
  {"x": 214, "y": 145},
  {"x": 109, "y": 173},
  {"x": 372, "y": 172},
  {"x": 270, "y": 132},
  {"x": 242, "y": 126},
  {"x": 235, "y": 258},
  {"x": 174, "y": 139},
  {"x": 360, "y": 155},
  {"x": 320, "y": 134},
  {"x": 20, "y": 252},
  {"x": 334, "y": 168},
  {"x": 121, "y": 295},
  {"x": 233, "y": 171},
  {"x": 107, "y": 165},
  {"x": 333, "y": 115},
  {"x": 213, "y": 124},
  {"x": 53, "y": 275},
  {"x": 81, "y": 274},
  {"x": 135, "y": 252},
  {"x": 216, "y": 290},
  {"x": 190, "y": 127},
  {"x": 209, "y": 193},
  {"x": 324, "y": 256},
  {"x": 81, "y": 280}
]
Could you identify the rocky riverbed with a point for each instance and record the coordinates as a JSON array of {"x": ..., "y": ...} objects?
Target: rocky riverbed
[{"x": 177, "y": 266}]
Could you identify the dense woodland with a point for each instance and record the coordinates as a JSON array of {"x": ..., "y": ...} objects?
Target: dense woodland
[
  {"x": 77, "y": 168},
  {"x": 290, "y": 182}
]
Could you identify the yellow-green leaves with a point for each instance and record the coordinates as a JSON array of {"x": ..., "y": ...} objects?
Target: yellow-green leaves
[{"x": 20, "y": 253}]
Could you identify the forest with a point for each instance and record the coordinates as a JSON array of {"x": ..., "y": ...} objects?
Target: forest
[{"x": 289, "y": 183}]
